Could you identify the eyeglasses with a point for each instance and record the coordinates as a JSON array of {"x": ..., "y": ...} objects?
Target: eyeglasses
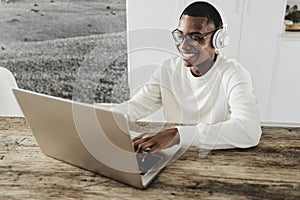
[{"x": 193, "y": 40}]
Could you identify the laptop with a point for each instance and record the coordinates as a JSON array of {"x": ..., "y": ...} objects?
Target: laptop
[{"x": 91, "y": 137}]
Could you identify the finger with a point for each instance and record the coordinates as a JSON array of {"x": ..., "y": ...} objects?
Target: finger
[
  {"x": 139, "y": 142},
  {"x": 143, "y": 147},
  {"x": 144, "y": 135},
  {"x": 155, "y": 148},
  {"x": 147, "y": 150}
]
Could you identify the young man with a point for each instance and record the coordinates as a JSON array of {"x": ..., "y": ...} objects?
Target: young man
[{"x": 202, "y": 88}]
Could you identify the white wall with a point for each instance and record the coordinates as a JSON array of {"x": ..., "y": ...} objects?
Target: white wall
[
  {"x": 149, "y": 26},
  {"x": 150, "y": 23}
]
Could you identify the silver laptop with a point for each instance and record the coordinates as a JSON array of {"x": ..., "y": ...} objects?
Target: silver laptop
[{"x": 91, "y": 137}]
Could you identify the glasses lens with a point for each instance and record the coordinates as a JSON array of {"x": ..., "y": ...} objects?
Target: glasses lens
[
  {"x": 178, "y": 36},
  {"x": 192, "y": 41}
]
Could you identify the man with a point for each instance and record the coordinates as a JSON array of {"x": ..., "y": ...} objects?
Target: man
[{"x": 202, "y": 88}]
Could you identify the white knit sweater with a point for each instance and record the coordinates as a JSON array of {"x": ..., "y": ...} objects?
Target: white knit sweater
[{"x": 220, "y": 105}]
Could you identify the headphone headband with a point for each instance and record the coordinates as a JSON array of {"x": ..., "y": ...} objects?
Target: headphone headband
[{"x": 221, "y": 38}]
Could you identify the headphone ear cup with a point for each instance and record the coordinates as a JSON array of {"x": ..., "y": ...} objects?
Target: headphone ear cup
[
  {"x": 215, "y": 39},
  {"x": 220, "y": 39}
]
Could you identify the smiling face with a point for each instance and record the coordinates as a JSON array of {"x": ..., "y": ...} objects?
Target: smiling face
[{"x": 195, "y": 55}]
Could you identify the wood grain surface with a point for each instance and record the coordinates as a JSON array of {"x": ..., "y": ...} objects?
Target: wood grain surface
[{"x": 269, "y": 171}]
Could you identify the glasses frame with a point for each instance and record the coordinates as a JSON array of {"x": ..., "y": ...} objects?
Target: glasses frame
[{"x": 189, "y": 38}]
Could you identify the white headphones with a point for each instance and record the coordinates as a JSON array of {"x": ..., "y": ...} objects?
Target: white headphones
[{"x": 221, "y": 37}]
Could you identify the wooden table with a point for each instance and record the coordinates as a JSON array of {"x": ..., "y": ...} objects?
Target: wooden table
[{"x": 269, "y": 171}]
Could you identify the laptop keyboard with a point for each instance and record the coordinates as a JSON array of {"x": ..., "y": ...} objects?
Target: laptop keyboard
[{"x": 146, "y": 161}]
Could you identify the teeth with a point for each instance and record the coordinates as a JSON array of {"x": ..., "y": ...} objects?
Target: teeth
[{"x": 187, "y": 55}]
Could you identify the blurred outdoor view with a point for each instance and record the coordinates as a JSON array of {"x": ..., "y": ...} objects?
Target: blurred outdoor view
[{"x": 54, "y": 46}]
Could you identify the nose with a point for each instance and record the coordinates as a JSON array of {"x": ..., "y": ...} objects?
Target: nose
[{"x": 185, "y": 45}]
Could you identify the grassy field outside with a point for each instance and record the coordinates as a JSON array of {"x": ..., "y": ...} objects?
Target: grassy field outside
[{"x": 48, "y": 44}]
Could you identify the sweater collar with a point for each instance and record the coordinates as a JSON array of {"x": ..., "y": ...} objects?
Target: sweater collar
[{"x": 209, "y": 73}]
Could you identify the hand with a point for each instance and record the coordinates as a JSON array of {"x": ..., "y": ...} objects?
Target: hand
[{"x": 152, "y": 142}]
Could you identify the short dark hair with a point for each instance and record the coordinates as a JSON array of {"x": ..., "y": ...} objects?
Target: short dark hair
[{"x": 203, "y": 9}]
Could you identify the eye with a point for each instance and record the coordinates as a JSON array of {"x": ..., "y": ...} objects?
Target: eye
[
  {"x": 196, "y": 38},
  {"x": 180, "y": 36}
]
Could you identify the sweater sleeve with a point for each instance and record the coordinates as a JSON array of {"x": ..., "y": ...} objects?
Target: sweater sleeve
[
  {"x": 241, "y": 130},
  {"x": 146, "y": 101}
]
